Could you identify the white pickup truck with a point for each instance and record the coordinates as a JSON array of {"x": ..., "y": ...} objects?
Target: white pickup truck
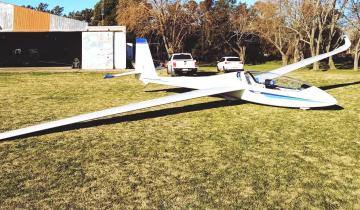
[{"x": 181, "y": 63}]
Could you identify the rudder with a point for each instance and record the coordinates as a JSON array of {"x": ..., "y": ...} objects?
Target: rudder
[{"x": 143, "y": 60}]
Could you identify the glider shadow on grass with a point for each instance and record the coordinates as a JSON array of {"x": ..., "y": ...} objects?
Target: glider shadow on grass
[
  {"x": 135, "y": 117},
  {"x": 330, "y": 87},
  {"x": 170, "y": 90}
]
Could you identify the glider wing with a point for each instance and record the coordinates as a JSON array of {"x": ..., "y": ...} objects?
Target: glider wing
[
  {"x": 289, "y": 68},
  {"x": 118, "y": 110}
]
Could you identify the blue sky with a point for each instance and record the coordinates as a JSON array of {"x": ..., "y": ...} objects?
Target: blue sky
[{"x": 69, "y": 5}]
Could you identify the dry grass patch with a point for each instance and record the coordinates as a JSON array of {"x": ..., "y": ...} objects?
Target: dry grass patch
[{"x": 203, "y": 153}]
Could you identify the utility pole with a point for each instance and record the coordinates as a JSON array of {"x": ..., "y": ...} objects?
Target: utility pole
[{"x": 102, "y": 12}]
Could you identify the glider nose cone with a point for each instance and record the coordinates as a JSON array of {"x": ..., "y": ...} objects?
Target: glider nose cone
[
  {"x": 319, "y": 97},
  {"x": 330, "y": 100},
  {"x": 326, "y": 98}
]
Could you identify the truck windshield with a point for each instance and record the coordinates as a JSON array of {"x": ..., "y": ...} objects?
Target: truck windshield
[{"x": 182, "y": 57}]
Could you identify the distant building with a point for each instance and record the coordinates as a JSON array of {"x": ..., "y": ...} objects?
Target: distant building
[{"x": 33, "y": 38}]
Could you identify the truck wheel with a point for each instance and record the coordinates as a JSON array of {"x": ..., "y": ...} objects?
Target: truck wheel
[
  {"x": 194, "y": 72},
  {"x": 173, "y": 74}
]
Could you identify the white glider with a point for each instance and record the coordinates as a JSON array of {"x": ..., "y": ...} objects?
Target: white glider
[{"x": 269, "y": 88}]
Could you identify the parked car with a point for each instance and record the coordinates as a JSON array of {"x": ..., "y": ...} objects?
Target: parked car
[
  {"x": 227, "y": 64},
  {"x": 181, "y": 63}
]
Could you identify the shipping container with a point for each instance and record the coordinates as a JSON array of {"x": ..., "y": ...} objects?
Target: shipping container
[
  {"x": 58, "y": 23},
  {"x": 120, "y": 50},
  {"x": 27, "y": 20},
  {"x": 40, "y": 40},
  {"x": 97, "y": 50},
  {"x": 6, "y": 17},
  {"x": 19, "y": 19}
]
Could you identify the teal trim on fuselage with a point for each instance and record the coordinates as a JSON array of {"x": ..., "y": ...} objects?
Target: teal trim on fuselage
[{"x": 276, "y": 96}]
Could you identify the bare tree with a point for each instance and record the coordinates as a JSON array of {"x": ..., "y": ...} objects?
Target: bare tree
[
  {"x": 270, "y": 24},
  {"x": 336, "y": 13},
  {"x": 311, "y": 20},
  {"x": 354, "y": 27},
  {"x": 205, "y": 17},
  {"x": 136, "y": 16},
  {"x": 315, "y": 15},
  {"x": 303, "y": 21},
  {"x": 240, "y": 30},
  {"x": 173, "y": 20}
]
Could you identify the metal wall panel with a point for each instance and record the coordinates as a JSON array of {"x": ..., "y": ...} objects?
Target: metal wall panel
[
  {"x": 97, "y": 50},
  {"x": 58, "y": 23},
  {"x": 27, "y": 20},
  {"x": 6, "y": 17},
  {"x": 120, "y": 50}
]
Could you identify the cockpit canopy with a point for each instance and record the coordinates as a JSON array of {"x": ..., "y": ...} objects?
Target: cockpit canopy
[{"x": 279, "y": 81}]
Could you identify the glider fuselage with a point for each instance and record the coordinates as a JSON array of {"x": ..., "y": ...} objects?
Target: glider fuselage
[{"x": 289, "y": 93}]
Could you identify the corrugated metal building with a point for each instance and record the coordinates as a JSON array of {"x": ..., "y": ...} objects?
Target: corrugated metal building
[{"x": 28, "y": 36}]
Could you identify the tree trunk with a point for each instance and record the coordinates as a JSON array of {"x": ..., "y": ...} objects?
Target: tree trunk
[
  {"x": 331, "y": 63},
  {"x": 296, "y": 50},
  {"x": 334, "y": 19},
  {"x": 357, "y": 56},
  {"x": 167, "y": 48},
  {"x": 285, "y": 59},
  {"x": 316, "y": 65},
  {"x": 312, "y": 44},
  {"x": 242, "y": 54},
  {"x": 312, "y": 50},
  {"x": 296, "y": 54}
]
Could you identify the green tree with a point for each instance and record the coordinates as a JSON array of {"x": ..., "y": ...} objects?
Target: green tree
[
  {"x": 83, "y": 15},
  {"x": 105, "y": 13},
  {"x": 43, "y": 7},
  {"x": 57, "y": 10}
]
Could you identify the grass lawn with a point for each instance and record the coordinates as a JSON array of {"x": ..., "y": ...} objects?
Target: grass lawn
[{"x": 202, "y": 154}]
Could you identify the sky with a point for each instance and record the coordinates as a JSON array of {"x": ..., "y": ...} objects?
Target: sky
[{"x": 70, "y": 5}]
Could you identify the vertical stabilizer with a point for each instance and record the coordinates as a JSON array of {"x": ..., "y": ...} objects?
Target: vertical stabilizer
[{"x": 144, "y": 64}]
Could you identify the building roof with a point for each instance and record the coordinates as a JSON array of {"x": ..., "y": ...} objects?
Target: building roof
[{"x": 106, "y": 28}]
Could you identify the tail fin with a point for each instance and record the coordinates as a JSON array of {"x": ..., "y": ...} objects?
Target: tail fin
[{"x": 144, "y": 65}]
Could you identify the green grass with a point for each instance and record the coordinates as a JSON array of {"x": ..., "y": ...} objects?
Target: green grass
[{"x": 199, "y": 154}]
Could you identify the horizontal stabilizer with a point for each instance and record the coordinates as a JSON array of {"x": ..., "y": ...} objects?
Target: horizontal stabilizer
[{"x": 110, "y": 76}]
